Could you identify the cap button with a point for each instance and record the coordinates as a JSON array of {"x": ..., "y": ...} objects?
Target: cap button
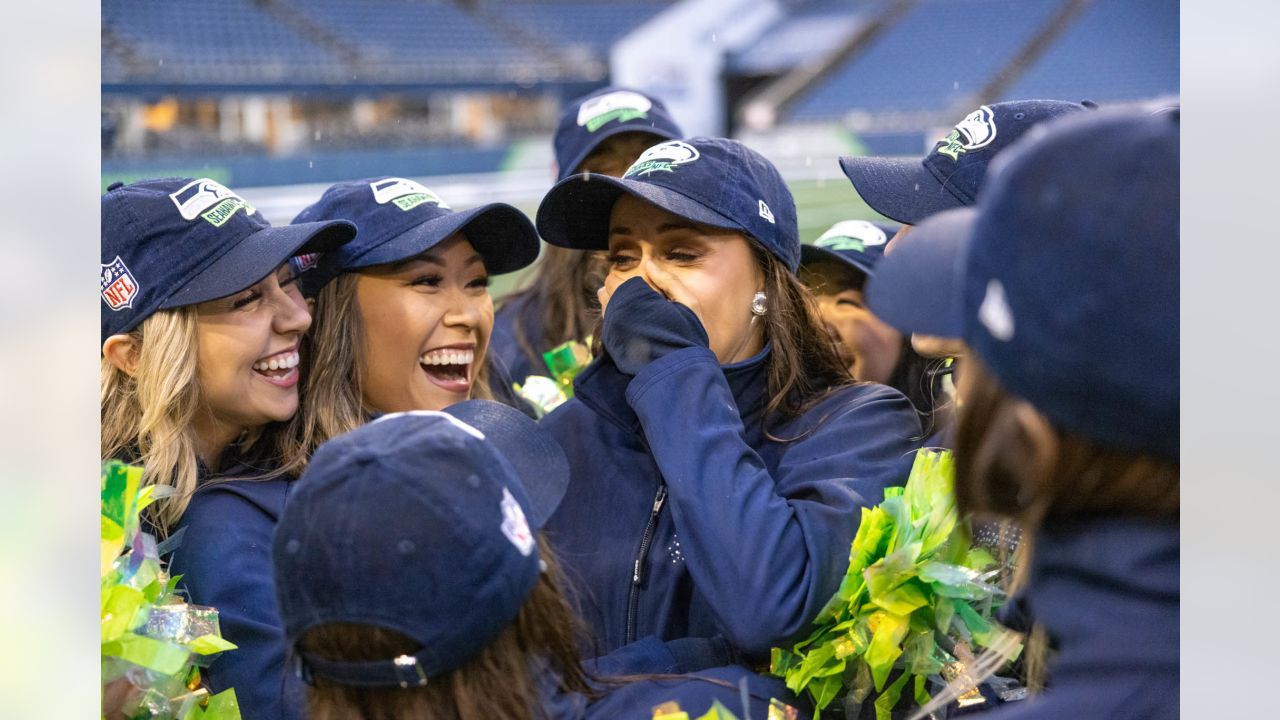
[{"x": 114, "y": 185}]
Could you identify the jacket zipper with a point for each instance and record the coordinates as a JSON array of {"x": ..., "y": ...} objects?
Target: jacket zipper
[{"x": 637, "y": 571}]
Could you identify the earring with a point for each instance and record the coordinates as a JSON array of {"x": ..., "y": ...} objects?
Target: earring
[{"x": 757, "y": 304}]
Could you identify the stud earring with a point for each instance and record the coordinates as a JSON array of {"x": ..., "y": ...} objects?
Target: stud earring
[{"x": 757, "y": 304}]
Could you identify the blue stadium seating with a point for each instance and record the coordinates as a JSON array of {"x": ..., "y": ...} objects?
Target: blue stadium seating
[
  {"x": 940, "y": 52},
  {"x": 1115, "y": 50},
  {"x": 591, "y": 24},
  {"x": 228, "y": 41},
  {"x": 811, "y": 29}
]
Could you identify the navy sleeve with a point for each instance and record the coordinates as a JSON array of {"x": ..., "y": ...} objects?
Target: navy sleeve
[
  {"x": 766, "y": 550},
  {"x": 225, "y": 562}
]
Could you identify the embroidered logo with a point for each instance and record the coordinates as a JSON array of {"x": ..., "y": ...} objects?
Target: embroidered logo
[
  {"x": 514, "y": 525},
  {"x": 208, "y": 199},
  {"x": 766, "y": 213},
  {"x": 404, "y": 194},
  {"x": 663, "y": 157},
  {"x": 994, "y": 312},
  {"x": 304, "y": 262},
  {"x": 119, "y": 288},
  {"x": 856, "y": 235},
  {"x": 975, "y": 131},
  {"x": 622, "y": 106}
]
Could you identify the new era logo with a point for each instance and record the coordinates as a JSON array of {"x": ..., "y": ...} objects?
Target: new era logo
[
  {"x": 118, "y": 285},
  {"x": 766, "y": 213}
]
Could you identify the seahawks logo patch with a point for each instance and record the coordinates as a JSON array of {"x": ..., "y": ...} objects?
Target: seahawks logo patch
[
  {"x": 663, "y": 157},
  {"x": 975, "y": 131}
]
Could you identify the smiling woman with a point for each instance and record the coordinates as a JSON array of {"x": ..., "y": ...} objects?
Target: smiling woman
[
  {"x": 406, "y": 325},
  {"x": 202, "y": 322}
]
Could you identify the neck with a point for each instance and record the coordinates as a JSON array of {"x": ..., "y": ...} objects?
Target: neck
[{"x": 213, "y": 437}]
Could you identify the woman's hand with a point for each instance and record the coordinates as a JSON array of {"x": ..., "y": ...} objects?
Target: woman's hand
[{"x": 641, "y": 325}]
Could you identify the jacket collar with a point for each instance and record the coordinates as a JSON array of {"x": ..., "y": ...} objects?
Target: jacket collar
[
  {"x": 602, "y": 387},
  {"x": 1106, "y": 591}
]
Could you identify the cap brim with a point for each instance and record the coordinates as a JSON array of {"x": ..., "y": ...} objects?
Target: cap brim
[
  {"x": 502, "y": 235},
  {"x": 536, "y": 457},
  {"x": 575, "y": 212},
  {"x": 636, "y": 127},
  {"x": 898, "y": 188},
  {"x": 810, "y": 254},
  {"x": 919, "y": 287},
  {"x": 256, "y": 256}
]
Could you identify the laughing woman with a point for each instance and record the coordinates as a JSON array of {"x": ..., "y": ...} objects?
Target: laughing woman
[
  {"x": 721, "y": 453},
  {"x": 406, "y": 324},
  {"x": 202, "y": 319}
]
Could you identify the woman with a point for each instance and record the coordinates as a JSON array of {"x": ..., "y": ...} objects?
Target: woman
[
  {"x": 201, "y": 324},
  {"x": 720, "y": 456},
  {"x": 837, "y": 268},
  {"x": 388, "y": 620},
  {"x": 1070, "y": 417},
  {"x": 602, "y": 132},
  {"x": 406, "y": 324}
]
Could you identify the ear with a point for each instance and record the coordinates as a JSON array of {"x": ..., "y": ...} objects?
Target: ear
[{"x": 122, "y": 351}]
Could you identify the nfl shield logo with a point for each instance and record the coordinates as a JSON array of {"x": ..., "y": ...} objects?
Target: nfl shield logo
[{"x": 118, "y": 286}]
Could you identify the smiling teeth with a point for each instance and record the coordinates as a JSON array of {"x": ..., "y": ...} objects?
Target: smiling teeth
[
  {"x": 278, "y": 362},
  {"x": 447, "y": 357}
]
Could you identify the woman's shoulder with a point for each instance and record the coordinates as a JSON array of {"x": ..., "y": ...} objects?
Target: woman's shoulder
[
  {"x": 848, "y": 403},
  {"x": 222, "y": 501}
]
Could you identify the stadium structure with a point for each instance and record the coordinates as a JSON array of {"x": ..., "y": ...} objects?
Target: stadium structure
[{"x": 287, "y": 96}]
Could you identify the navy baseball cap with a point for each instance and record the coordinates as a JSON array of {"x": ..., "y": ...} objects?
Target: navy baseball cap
[
  {"x": 399, "y": 218},
  {"x": 595, "y": 117},
  {"x": 856, "y": 244},
  {"x": 714, "y": 181},
  {"x": 418, "y": 523},
  {"x": 1071, "y": 291},
  {"x": 919, "y": 287},
  {"x": 172, "y": 242},
  {"x": 909, "y": 190}
]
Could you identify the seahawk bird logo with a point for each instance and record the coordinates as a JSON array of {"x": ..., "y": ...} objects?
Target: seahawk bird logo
[
  {"x": 664, "y": 157},
  {"x": 856, "y": 235},
  {"x": 622, "y": 106},
  {"x": 976, "y": 130},
  {"x": 404, "y": 194}
]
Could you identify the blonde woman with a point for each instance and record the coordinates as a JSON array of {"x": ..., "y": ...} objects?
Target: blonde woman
[
  {"x": 406, "y": 325},
  {"x": 202, "y": 319}
]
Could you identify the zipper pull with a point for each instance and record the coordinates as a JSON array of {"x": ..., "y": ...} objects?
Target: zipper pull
[
  {"x": 635, "y": 573},
  {"x": 660, "y": 498}
]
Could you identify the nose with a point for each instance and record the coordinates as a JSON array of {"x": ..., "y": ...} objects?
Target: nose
[
  {"x": 291, "y": 313},
  {"x": 464, "y": 312}
]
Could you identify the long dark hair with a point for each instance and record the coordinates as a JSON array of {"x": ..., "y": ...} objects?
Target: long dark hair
[
  {"x": 563, "y": 289},
  {"x": 920, "y": 379},
  {"x": 499, "y": 682}
]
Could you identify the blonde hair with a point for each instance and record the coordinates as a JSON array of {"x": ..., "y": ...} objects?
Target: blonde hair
[
  {"x": 333, "y": 373},
  {"x": 147, "y": 416}
]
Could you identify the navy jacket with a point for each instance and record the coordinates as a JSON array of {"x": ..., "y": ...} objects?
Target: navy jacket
[
  {"x": 682, "y": 519},
  {"x": 505, "y": 350},
  {"x": 225, "y": 561},
  {"x": 694, "y": 693},
  {"x": 1106, "y": 592}
]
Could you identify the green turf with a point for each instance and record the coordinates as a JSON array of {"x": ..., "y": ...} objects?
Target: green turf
[{"x": 819, "y": 205}]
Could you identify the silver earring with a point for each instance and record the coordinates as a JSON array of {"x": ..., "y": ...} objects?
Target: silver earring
[{"x": 757, "y": 304}]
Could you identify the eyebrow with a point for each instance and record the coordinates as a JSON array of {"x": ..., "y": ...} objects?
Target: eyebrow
[
  {"x": 427, "y": 257},
  {"x": 665, "y": 227}
]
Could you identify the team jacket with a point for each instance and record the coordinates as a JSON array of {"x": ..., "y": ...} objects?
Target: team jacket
[
  {"x": 1106, "y": 592},
  {"x": 225, "y": 561},
  {"x": 682, "y": 519}
]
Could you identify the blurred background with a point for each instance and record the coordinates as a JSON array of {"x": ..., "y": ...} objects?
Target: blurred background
[{"x": 279, "y": 98}]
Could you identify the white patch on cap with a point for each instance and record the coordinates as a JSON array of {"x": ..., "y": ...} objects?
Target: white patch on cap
[
  {"x": 622, "y": 106},
  {"x": 994, "y": 312},
  {"x": 766, "y": 213},
  {"x": 119, "y": 288},
  {"x": 514, "y": 524},
  {"x": 851, "y": 235},
  {"x": 473, "y": 432},
  {"x": 975, "y": 131},
  {"x": 663, "y": 157},
  {"x": 208, "y": 199},
  {"x": 406, "y": 194}
]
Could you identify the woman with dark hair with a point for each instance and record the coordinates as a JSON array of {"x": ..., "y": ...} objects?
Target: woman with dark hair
[
  {"x": 720, "y": 453},
  {"x": 1070, "y": 418},
  {"x": 837, "y": 268},
  {"x": 601, "y": 132},
  {"x": 414, "y": 585}
]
